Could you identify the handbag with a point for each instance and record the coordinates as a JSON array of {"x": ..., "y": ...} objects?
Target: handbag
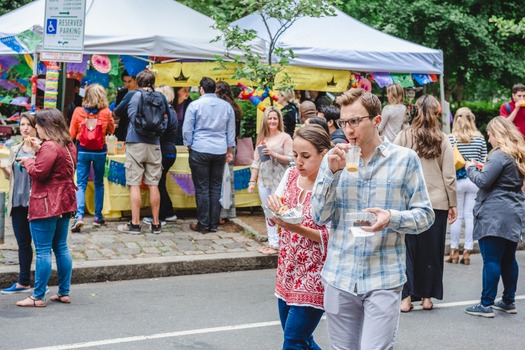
[
  {"x": 244, "y": 154},
  {"x": 459, "y": 161}
]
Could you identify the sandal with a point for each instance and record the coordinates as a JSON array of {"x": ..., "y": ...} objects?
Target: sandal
[
  {"x": 31, "y": 301},
  {"x": 269, "y": 250},
  {"x": 61, "y": 298},
  {"x": 427, "y": 304}
]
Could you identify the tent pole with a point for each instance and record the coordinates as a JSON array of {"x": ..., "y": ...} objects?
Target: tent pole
[
  {"x": 445, "y": 106},
  {"x": 35, "y": 72}
]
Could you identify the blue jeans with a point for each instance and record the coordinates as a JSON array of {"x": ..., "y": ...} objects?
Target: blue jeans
[
  {"x": 23, "y": 239},
  {"x": 299, "y": 323},
  {"x": 499, "y": 259},
  {"x": 51, "y": 233},
  {"x": 206, "y": 172},
  {"x": 83, "y": 166}
]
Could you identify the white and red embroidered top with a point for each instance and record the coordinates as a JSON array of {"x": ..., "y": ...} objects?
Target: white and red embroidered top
[{"x": 301, "y": 260}]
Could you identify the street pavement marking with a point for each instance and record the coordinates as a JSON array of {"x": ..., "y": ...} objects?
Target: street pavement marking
[{"x": 216, "y": 329}]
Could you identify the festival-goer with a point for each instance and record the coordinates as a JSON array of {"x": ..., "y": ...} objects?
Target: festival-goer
[
  {"x": 307, "y": 109},
  {"x": 471, "y": 144},
  {"x": 319, "y": 98},
  {"x": 515, "y": 109},
  {"x": 286, "y": 98},
  {"x": 331, "y": 114},
  {"x": 52, "y": 201},
  {"x": 95, "y": 105},
  {"x": 169, "y": 156},
  {"x": 425, "y": 252},
  {"x": 498, "y": 215},
  {"x": 269, "y": 165},
  {"x": 209, "y": 134},
  {"x": 393, "y": 114},
  {"x": 302, "y": 247},
  {"x": 223, "y": 91},
  {"x": 180, "y": 104},
  {"x": 318, "y": 121},
  {"x": 363, "y": 276},
  {"x": 122, "y": 120},
  {"x": 18, "y": 201}
]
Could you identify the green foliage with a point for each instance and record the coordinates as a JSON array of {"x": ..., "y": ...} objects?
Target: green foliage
[
  {"x": 10, "y": 5},
  {"x": 474, "y": 51},
  {"x": 252, "y": 65},
  {"x": 508, "y": 27}
]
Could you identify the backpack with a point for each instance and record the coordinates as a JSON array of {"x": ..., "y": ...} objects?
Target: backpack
[
  {"x": 151, "y": 119},
  {"x": 507, "y": 107},
  {"x": 91, "y": 134}
]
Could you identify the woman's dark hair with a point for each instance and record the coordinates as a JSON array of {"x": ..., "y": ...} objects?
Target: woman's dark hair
[
  {"x": 54, "y": 124},
  {"x": 318, "y": 121},
  {"x": 223, "y": 91}
]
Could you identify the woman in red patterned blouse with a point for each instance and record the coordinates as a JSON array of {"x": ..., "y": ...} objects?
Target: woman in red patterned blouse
[{"x": 302, "y": 247}]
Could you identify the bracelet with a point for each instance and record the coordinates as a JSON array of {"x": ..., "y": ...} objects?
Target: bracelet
[{"x": 251, "y": 183}]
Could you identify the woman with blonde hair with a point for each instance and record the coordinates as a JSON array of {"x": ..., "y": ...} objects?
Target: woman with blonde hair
[
  {"x": 498, "y": 215},
  {"x": 393, "y": 114},
  {"x": 94, "y": 110},
  {"x": 272, "y": 155},
  {"x": 425, "y": 251},
  {"x": 471, "y": 144},
  {"x": 290, "y": 110}
]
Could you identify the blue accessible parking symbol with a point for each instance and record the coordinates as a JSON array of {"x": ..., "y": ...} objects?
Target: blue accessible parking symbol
[{"x": 51, "y": 26}]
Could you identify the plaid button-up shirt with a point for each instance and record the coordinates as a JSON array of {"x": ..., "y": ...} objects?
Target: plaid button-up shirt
[{"x": 392, "y": 180}]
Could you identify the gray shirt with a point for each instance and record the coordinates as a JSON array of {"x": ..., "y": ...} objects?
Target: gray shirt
[
  {"x": 22, "y": 183},
  {"x": 500, "y": 202}
]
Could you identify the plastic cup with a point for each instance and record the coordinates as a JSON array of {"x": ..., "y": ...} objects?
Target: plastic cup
[
  {"x": 4, "y": 162},
  {"x": 352, "y": 158}
]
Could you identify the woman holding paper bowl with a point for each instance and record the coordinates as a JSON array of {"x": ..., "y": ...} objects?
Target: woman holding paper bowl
[
  {"x": 272, "y": 155},
  {"x": 302, "y": 246}
]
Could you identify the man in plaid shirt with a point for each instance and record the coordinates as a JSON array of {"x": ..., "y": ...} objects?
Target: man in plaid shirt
[{"x": 364, "y": 276}]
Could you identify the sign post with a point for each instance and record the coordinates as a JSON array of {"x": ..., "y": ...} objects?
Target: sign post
[{"x": 64, "y": 30}]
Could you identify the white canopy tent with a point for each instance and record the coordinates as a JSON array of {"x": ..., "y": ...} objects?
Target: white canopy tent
[
  {"x": 162, "y": 28},
  {"x": 342, "y": 42}
]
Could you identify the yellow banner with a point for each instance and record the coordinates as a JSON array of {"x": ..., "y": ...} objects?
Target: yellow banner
[
  {"x": 316, "y": 79},
  {"x": 190, "y": 73}
]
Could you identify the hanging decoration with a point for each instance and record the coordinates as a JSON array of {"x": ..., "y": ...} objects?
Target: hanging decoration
[
  {"x": 133, "y": 65},
  {"x": 241, "y": 179},
  {"x": 77, "y": 70},
  {"x": 256, "y": 96},
  {"x": 365, "y": 84},
  {"x": 114, "y": 64},
  {"x": 117, "y": 173},
  {"x": 185, "y": 182},
  {"x": 101, "y": 63},
  {"x": 94, "y": 77},
  {"x": 51, "y": 88},
  {"x": 34, "y": 85}
]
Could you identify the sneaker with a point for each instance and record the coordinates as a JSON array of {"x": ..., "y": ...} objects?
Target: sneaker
[
  {"x": 172, "y": 218},
  {"x": 507, "y": 308},
  {"x": 129, "y": 228},
  {"x": 480, "y": 310},
  {"x": 98, "y": 222},
  {"x": 148, "y": 220},
  {"x": 77, "y": 224},
  {"x": 155, "y": 228},
  {"x": 14, "y": 290}
]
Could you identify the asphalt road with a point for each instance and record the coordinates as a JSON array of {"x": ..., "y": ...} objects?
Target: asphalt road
[{"x": 234, "y": 311}]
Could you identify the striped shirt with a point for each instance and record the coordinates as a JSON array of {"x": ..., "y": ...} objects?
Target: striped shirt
[
  {"x": 392, "y": 180},
  {"x": 476, "y": 149}
]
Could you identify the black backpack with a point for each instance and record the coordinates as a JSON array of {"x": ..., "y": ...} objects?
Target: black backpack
[{"x": 151, "y": 119}]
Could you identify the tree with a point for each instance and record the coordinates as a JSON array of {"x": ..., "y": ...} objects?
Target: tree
[
  {"x": 254, "y": 66},
  {"x": 474, "y": 51},
  {"x": 10, "y": 5}
]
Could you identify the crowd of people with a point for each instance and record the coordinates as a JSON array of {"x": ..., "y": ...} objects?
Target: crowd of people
[{"x": 406, "y": 179}]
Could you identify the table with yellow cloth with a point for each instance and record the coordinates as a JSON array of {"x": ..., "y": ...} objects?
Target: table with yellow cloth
[
  {"x": 4, "y": 183},
  {"x": 116, "y": 197}
]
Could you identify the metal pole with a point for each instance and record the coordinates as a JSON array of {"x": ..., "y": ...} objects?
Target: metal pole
[
  {"x": 445, "y": 106},
  {"x": 2, "y": 217}
]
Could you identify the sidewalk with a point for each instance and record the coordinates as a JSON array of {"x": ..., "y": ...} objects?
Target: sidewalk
[{"x": 104, "y": 254}]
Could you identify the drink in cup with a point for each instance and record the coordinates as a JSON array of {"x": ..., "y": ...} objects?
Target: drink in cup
[{"x": 352, "y": 158}]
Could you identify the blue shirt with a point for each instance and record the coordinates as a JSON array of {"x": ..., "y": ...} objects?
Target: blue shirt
[
  {"x": 209, "y": 125},
  {"x": 392, "y": 180}
]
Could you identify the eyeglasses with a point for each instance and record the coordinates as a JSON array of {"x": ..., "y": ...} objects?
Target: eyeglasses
[{"x": 353, "y": 122}]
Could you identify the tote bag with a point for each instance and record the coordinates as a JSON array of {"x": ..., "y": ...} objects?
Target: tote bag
[
  {"x": 459, "y": 161},
  {"x": 244, "y": 148}
]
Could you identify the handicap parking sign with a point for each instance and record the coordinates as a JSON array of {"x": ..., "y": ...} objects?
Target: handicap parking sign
[{"x": 51, "y": 26}]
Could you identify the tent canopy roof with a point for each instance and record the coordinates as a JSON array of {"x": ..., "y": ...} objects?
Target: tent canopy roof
[
  {"x": 161, "y": 28},
  {"x": 342, "y": 42}
]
